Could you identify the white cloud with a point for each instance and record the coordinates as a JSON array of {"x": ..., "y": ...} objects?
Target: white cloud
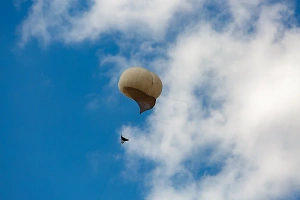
[
  {"x": 253, "y": 121},
  {"x": 241, "y": 85},
  {"x": 68, "y": 21}
]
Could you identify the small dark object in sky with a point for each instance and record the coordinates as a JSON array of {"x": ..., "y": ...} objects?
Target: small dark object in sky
[{"x": 123, "y": 139}]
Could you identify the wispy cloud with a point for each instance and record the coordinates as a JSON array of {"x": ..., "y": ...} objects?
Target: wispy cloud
[
  {"x": 18, "y": 4},
  {"x": 94, "y": 159},
  {"x": 94, "y": 101},
  {"x": 68, "y": 21},
  {"x": 46, "y": 82}
]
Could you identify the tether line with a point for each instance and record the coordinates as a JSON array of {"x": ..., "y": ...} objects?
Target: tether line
[{"x": 104, "y": 184}]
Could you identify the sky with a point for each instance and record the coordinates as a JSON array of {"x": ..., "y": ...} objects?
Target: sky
[{"x": 226, "y": 126}]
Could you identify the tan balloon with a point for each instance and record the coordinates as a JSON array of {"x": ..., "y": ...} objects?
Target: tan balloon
[{"x": 141, "y": 85}]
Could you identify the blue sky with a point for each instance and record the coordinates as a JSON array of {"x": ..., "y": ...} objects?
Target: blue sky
[
  {"x": 62, "y": 112},
  {"x": 48, "y": 135}
]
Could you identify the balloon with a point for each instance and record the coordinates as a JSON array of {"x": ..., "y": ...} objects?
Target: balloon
[{"x": 141, "y": 85}]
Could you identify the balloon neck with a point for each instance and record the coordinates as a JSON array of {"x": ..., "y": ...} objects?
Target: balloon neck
[
  {"x": 144, "y": 106},
  {"x": 145, "y": 101}
]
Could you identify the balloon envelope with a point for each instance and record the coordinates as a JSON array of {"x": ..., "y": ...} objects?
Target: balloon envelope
[{"x": 141, "y": 85}]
